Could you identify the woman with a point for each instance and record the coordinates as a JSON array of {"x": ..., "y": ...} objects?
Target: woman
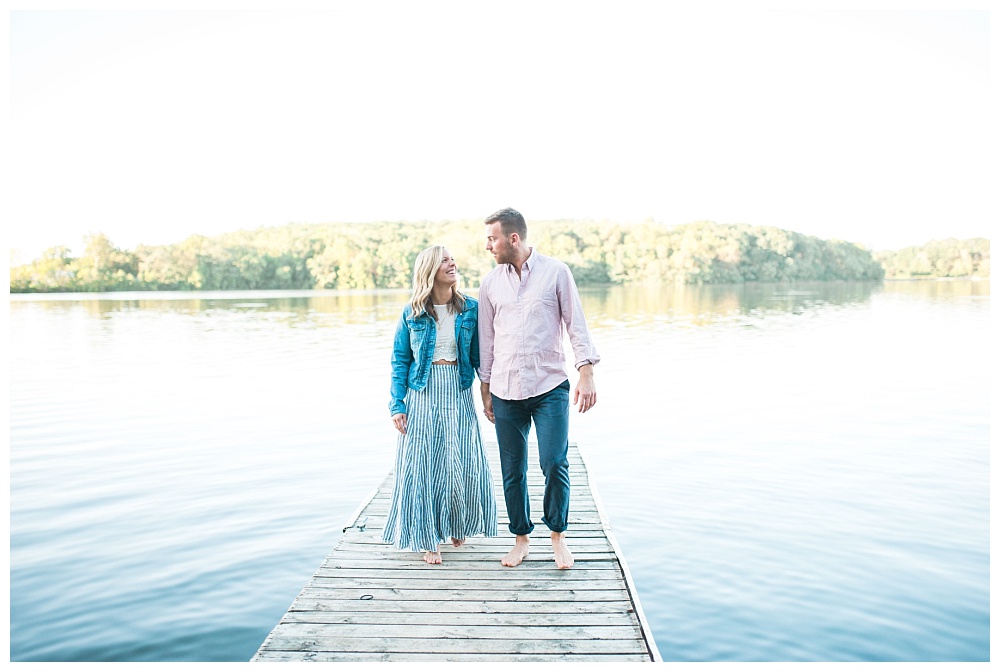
[{"x": 443, "y": 486}]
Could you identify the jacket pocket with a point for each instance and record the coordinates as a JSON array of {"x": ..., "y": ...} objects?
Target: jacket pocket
[
  {"x": 467, "y": 329},
  {"x": 418, "y": 333}
]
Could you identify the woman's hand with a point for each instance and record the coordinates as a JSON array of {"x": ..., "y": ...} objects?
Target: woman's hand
[{"x": 400, "y": 421}]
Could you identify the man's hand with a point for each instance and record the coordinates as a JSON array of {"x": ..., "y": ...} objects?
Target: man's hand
[
  {"x": 400, "y": 421},
  {"x": 585, "y": 394},
  {"x": 484, "y": 388}
]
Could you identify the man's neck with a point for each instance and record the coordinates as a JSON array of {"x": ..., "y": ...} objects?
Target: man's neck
[{"x": 521, "y": 258}]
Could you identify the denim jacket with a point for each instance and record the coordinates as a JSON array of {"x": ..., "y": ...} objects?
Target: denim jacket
[{"x": 413, "y": 348}]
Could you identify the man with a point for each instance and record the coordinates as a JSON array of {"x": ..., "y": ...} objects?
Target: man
[{"x": 523, "y": 304}]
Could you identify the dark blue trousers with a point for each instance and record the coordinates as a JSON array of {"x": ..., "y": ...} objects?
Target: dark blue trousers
[{"x": 550, "y": 413}]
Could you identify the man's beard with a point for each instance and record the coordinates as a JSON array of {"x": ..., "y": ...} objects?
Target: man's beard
[{"x": 508, "y": 256}]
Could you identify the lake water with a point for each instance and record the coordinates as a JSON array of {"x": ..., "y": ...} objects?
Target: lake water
[{"x": 794, "y": 472}]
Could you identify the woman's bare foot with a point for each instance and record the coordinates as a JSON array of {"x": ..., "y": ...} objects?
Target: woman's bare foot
[
  {"x": 564, "y": 559},
  {"x": 518, "y": 553},
  {"x": 432, "y": 557},
  {"x": 457, "y": 542}
]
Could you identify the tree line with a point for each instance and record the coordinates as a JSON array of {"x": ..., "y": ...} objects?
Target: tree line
[
  {"x": 951, "y": 258},
  {"x": 381, "y": 255}
]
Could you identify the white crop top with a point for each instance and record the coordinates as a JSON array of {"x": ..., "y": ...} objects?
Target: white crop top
[{"x": 445, "y": 348}]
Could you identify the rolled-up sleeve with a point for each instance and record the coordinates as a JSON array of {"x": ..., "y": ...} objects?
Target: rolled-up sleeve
[{"x": 487, "y": 334}]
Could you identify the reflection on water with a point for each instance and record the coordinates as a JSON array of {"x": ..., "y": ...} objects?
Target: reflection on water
[
  {"x": 795, "y": 472},
  {"x": 695, "y": 303},
  {"x": 680, "y": 300},
  {"x": 349, "y": 307},
  {"x": 706, "y": 303}
]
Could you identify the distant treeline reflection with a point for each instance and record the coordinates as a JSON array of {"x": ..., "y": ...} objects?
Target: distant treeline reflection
[
  {"x": 380, "y": 256},
  {"x": 608, "y": 307}
]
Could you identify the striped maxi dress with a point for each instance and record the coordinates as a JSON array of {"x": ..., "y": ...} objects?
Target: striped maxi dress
[{"x": 443, "y": 487}]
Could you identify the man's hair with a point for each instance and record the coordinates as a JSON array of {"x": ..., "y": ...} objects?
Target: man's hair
[{"x": 511, "y": 221}]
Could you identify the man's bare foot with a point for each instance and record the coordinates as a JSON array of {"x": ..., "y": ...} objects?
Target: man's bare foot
[
  {"x": 457, "y": 542},
  {"x": 432, "y": 557},
  {"x": 564, "y": 559},
  {"x": 519, "y": 552}
]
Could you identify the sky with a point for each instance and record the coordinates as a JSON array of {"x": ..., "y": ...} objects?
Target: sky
[{"x": 149, "y": 126}]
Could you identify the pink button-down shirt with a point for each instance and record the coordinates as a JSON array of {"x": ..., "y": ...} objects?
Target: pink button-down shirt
[{"x": 520, "y": 327}]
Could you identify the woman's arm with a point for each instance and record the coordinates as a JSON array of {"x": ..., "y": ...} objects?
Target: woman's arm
[
  {"x": 474, "y": 346},
  {"x": 402, "y": 358}
]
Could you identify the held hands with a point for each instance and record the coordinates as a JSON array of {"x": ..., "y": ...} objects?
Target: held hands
[
  {"x": 585, "y": 394},
  {"x": 484, "y": 388},
  {"x": 399, "y": 419}
]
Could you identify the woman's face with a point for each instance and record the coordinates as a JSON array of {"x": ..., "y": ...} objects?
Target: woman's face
[{"x": 447, "y": 273}]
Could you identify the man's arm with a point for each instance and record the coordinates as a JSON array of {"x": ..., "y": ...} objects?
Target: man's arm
[
  {"x": 486, "y": 333},
  {"x": 584, "y": 352},
  {"x": 571, "y": 313}
]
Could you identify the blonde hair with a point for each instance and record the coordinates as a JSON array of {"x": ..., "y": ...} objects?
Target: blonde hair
[{"x": 424, "y": 269}]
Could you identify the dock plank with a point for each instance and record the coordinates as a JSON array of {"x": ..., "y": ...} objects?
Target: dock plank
[
  {"x": 517, "y": 618},
  {"x": 566, "y": 647},
  {"x": 438, "y": 657},
  {"x": 371, "y": 602}
]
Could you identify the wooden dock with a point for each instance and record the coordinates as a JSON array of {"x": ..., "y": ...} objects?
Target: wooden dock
[{"x": 371, "y": 602}]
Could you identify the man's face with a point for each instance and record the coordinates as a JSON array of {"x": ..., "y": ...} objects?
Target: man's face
[{"x": 499, "y": 245}]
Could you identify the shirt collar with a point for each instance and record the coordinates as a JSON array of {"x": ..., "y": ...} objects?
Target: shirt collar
[{"x": 528, "y": 263}]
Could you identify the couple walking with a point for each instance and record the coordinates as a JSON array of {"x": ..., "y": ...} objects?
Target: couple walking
[{"x": 511, "y": 337}]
